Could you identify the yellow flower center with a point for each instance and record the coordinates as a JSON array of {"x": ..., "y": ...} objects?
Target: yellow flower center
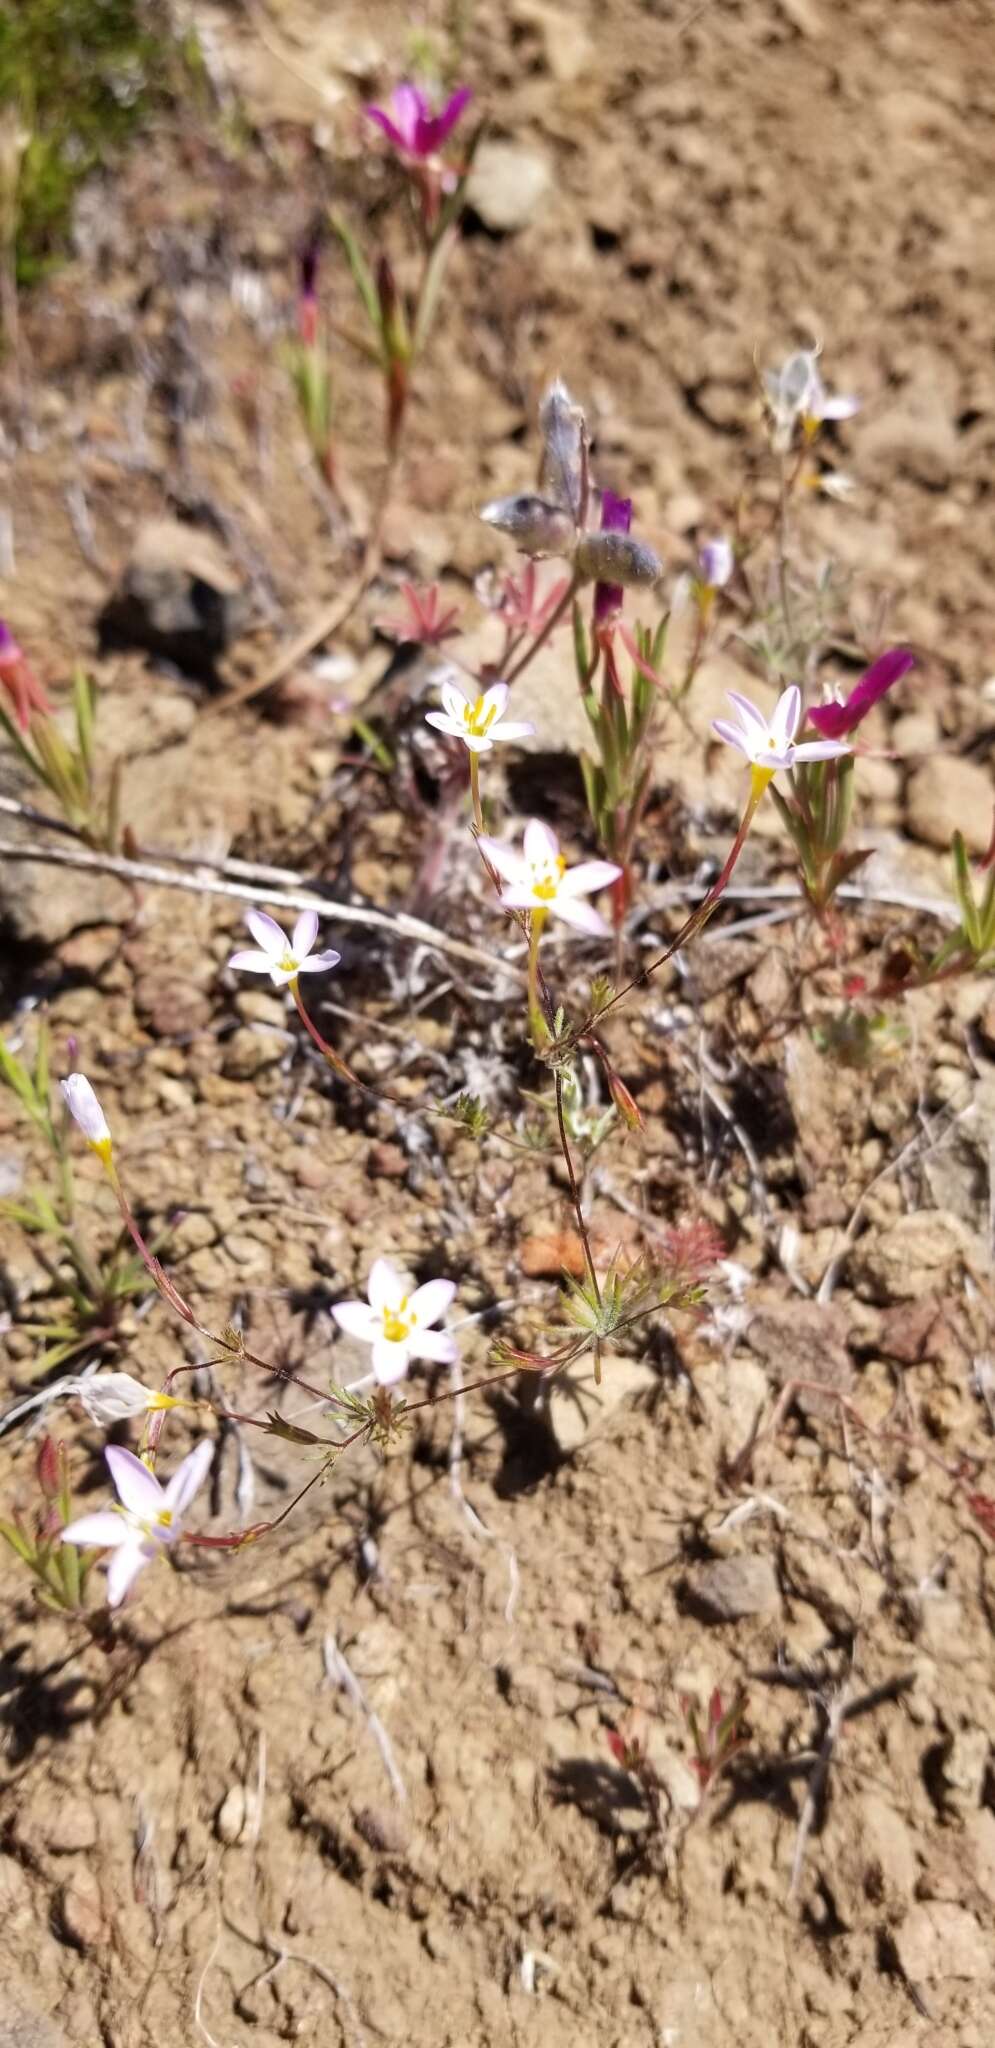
[
  {"x": 479, "y": 720},
  {"x": 546, "y": 880},
  {"x": 396, "y": 1325},
  {"x": 288, "y": 965},
  {"x": 164, "y": 1518}
]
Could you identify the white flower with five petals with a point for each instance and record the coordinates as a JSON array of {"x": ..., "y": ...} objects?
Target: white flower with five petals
[
  {"x": 396, "y": 1319},
  {"x": 538, "y": 878},
  {"x": 281, "y": 958},
  {"x": 478, "y": 722},
  {"x": 147, "y": 1520},
  {"x": 770, "y": 745}
]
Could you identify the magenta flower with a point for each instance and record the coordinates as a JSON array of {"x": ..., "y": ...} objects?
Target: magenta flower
[
  {"x": 411, "y": 125},
  {"x": 616, "y": 517},
  {"x": 835, "y": 721}
]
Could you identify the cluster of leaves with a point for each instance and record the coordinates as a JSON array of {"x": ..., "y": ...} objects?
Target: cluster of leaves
[
  {"x": 79, "y": 76},
  {"x": 59, "y": 1569}
]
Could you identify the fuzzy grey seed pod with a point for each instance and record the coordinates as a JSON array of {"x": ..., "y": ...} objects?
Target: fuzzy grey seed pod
[
  {"x": 536, "y": 526},
  {"x": 617, "y": 558},
  {"x": 563, "y": 427}
]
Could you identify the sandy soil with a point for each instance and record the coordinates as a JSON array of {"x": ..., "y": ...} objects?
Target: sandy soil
[{"x": 200, "y": 1837}]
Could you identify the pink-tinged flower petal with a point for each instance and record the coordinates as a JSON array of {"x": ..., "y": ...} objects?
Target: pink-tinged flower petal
[
  {"x": 136, "y": 1487},
  {"x": 437, "y": 1345},
  {"x": 267, "y": 933},
  {"x": 390, "y": 128},
  {"x": 304, "y": 935},
  {"x": 478, "y": 746},
  {"x": 455, "y": 701},
  {"x": 358, "y": 1320},
  {"x": 582, "y": 916},
  {"x": 431, "y": 1301},
  {"x": 834, "y": 720},
  {"x": 503, "y": 859},
  {"x": 445, "y": 121},
  {"x": 411, "y": 111},
  {"x": 522, "y": 896},
  {"x": 124, "y": 1568},
  {"x": 104, "y": 1530},
  {"x": 787, "y": 712},
  {"x": 732, "y": 737},
  {"x": 385, "y": 1286},
  {"x": 512, "y": 729},
  {"x": 443, "y": 721},
  {"x": 820, "y": 750},
  {"x": 389, "y": 1361},
  {"x": 541, "y": 844},
  {"x": 319, "y": 963},
  {"x": 495, "y": 699},
  {"x": 189, "y": 1477},
  {"x": 587, "y": 877},
  {"x": 251, "y": 962},
  {"x": 753, "y": 721}
]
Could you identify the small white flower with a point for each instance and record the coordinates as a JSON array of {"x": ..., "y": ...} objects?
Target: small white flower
[
  {"x": 477, "y": 722},
  {"x": 281, "y": 958},
  {"x": 796, "y": 392},
  {"x": 110, "y": 1397},
  {"x": 149, "y": 1516},
  {"x": 395, "y": 1320},
  {"x": 834, "y": 483},
  {"x": 772, "y": 746},
  {"x": 538, "y": 878},
  {"x": 83, "y": 1106}
]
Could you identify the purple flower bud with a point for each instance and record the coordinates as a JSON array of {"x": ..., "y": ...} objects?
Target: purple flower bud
[
  {"x": 616, "y": 517},
  {"x": 836, "y": 721},
  {"x": 535, "y": 526}
]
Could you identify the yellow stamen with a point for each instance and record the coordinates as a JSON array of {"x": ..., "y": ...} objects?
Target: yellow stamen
[
  {"x": 397, "y": 1326},
  {"x": 546, "y": 881},
  {"x": 479, "y": 720}
]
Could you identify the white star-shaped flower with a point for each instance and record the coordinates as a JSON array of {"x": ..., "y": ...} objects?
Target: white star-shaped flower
[
  {"x": 771, "y": 745},
  {"x": 395, "y": 1320},
  {"x": 538, "y": 878},
  {"x": 479, "y": 721},
  {"x": 281, "y": 958},
  {"x": 147, "y": 1520}
]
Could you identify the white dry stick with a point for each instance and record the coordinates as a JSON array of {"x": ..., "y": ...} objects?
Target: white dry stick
[
  {"x": 199, "y": 2021},
  {"x": 339, "y": 1672}
]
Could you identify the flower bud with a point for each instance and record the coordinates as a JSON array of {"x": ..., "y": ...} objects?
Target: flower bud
[
  {"x": 47, "y": 1468},
  {"x": 617, "y": 558},
  {"x": 111, "y": 1397},
  {"x": 715, "y": 563},
  {"x": 536, "y": 526},
  {"x": 625, "y": 1102},
  {"x": 84, "y": 1108}
]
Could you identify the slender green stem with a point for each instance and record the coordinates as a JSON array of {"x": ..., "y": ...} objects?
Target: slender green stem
[
  {"x": 478, "y": 815},
  {"x": 537, "y": 1022},
  {"x": 578, "y": 1207}
]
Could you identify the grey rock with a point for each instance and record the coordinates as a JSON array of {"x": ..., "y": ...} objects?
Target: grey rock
[
  {"x": 732, "y": 1588},
  {"x": 508, "y": 185}
]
